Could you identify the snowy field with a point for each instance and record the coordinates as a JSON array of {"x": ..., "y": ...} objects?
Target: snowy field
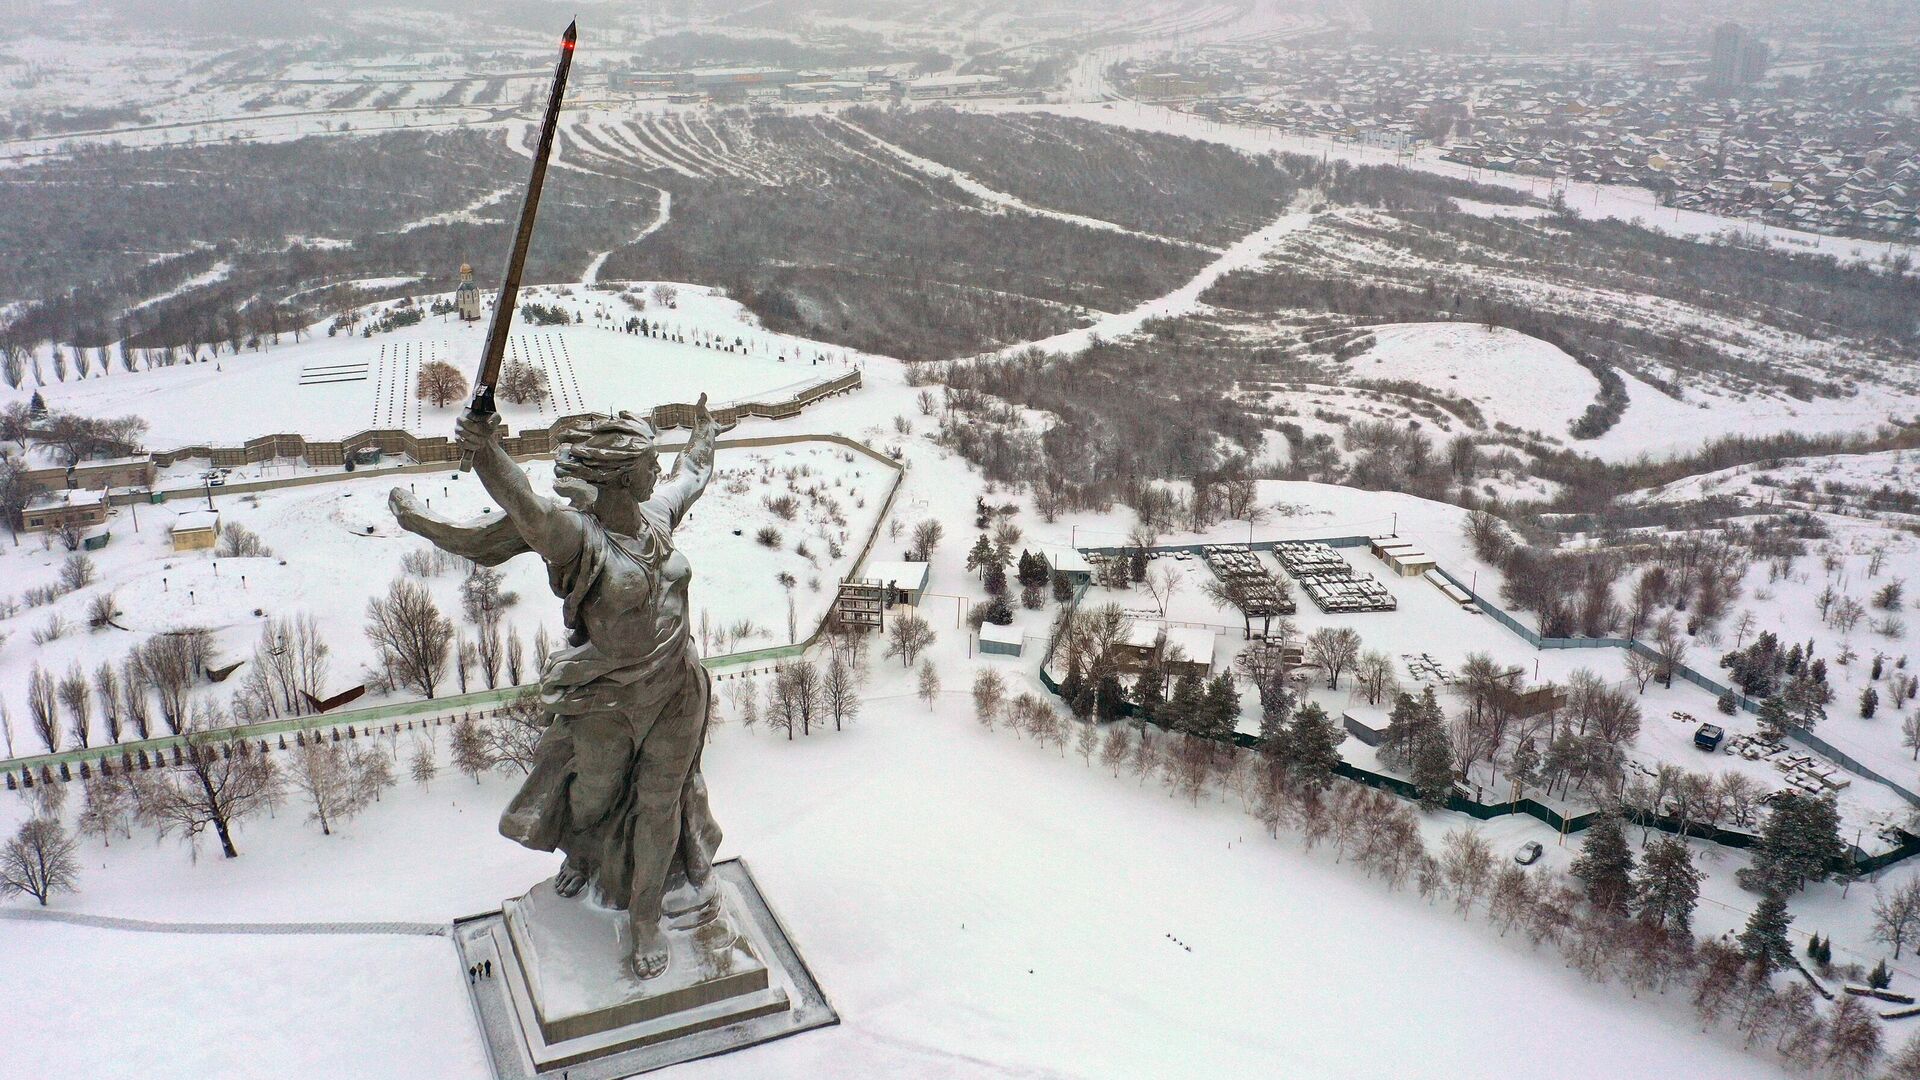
[
  {"x": 335, "y": 546},
  {"x": 330, "y": 387},
  {"x": 1033, "y": 941},
  {"x": 972, "y": 903},
  {"x": 1514, "y": 379}
]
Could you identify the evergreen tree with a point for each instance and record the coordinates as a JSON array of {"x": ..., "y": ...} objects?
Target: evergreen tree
[
  {"x": 1869, "y": 702},
  {"x": 1137, "y": 566},
  {"x": 1880, "y": 978},
  {"x": 1150, "y": 693},
  {"x": 1219, "y": 711},
  {"x": 1800, "y": 842},
  {"x": 1606, "y": 864},
  {"x": 1062, "y": 588},
  {"x": 1313, "y": 745},
  {"x": 1403, "y": 726},
  {"x": 996, "y": 581},
  {"x": 1276, "y": 709},
  {"x": 1432, "y": 765},
  {"x": 1668, "y": 885},
  {"x": 1109, "y": 697},
  {"x": 1764, "y": 941},
  {"x": 1000, "y": 610},
  {"x": 1184, "y": 704},
  {"x": 1773, "y": 720},
  {"x": 980, "y": 554},
  {"x": 1075, "y": 683},
  {"x": 1727, "y": 705},
  {"x": 1806, "y": 701},
  {"x": 1034, "y": 570}
]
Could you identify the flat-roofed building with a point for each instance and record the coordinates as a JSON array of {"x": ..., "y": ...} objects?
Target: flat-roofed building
[
  {"x": 195, "y": 530},
  {"x": 54, "y": 510}
]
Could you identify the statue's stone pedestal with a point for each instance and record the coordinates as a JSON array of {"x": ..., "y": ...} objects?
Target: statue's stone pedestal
[{"x": 562, "y": 995}]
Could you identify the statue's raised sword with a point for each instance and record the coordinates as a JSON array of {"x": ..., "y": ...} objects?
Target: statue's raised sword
[{"x": 502, "y": 320}]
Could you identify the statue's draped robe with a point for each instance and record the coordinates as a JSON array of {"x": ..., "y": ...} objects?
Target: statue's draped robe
[{"x": 656, "y": 684}]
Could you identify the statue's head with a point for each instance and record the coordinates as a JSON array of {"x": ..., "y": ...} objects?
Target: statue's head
[{"x": 605, "y": 457}]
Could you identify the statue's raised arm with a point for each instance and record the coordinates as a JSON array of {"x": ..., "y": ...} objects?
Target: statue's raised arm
[{"x": 693, "y": 468}]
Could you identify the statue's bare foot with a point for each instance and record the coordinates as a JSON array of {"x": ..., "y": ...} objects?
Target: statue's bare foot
[
  {"x": 571, "y": 878},
  {"x": 650, "y": 952}
]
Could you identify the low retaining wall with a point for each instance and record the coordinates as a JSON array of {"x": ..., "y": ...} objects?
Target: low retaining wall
[{"x": 439, "y": 449}]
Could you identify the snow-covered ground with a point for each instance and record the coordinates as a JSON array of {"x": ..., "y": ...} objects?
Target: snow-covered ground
[
  {"x": 972, "y": 903},
  {"x": 1514, "y": 379},
  {"x": 1835, "y": 490},
  {"x": 309, "y": 388},
  {"x": 335, "y": 546}
]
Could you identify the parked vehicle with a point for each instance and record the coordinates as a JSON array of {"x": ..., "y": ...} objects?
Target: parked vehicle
[
  {"x": 1708, "y": 736},
  {"x": 1529, "y": 853}
]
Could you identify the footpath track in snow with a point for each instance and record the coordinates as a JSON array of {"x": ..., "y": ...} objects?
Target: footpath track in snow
[
  {"x": 1007, "y": 201},
  {"x": 146, "y": 926},
  {"x": 1248, "y": 251}
]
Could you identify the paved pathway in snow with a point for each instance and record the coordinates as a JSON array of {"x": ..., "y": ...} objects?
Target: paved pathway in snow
[
  {"x": 110, "y": 922},
  {"x": 1004, "y": 200}
]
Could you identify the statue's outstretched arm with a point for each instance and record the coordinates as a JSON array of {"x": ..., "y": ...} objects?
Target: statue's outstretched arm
[
  {"x": 549, "y": 528},
  {"x": 679, "y": 489}
]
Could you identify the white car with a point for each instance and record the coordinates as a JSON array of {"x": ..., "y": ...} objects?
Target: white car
[{"x": 1529, "y": 853}]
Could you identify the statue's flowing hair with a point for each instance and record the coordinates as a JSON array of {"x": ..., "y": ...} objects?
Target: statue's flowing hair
[{"x": 607, "y": 450}]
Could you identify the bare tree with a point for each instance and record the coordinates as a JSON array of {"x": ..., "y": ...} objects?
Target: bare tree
[
  {"x": 523, "y": 384},
  {"x": 926, "y": 537},
  {"x": 1162, "y": 582},
  {"x": 488, "y": 651},
  {"x": 989, "y": 694},
  {"x": 38, "y": 861},
  {"x": 471, "y": 754},
  {"x": 422, "y": 764},
  {"x": 43, "y": 705},
  {"x": 1671, "y": 644},
  {"x": 171, "y": 664},
  {"x": 337, "y": 782},
  {"x": 239, "y": 542},
  {"x": 1334, "y": 649},
  {"x": 1376, "y": 675},
  {"x": 77, "y": 696},
  {"x": 411, "y": 635},
  {"x": 106, "y": 686},
  {"x": 1896, "y": 915},
  {"x": 1641, "y": 668},
  {"x": 218, "y": 782},
  {"x": 839, "y": 689},
  {"x": 107, "y": 807},
  {"x": 1118, "y": 747},
  {"x": 514, "y": 736},
  {"x": 803, "y": 685},
  {"x": 440, "y": 383},
  {"x": 907, "y": 637},
  {"x": 929, "y": 688}
]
